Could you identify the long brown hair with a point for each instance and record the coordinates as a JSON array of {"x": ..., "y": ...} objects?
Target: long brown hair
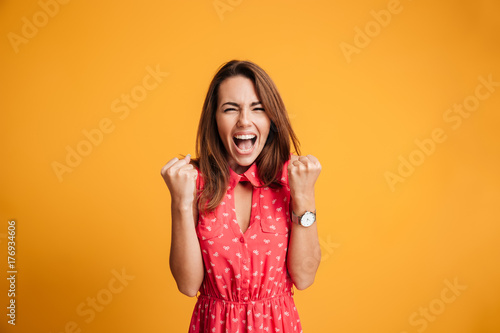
[{"x": 210, "y": 151}]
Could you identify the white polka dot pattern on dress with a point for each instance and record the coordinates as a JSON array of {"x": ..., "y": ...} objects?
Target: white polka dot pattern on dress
[{"x": 246, "y": 287}]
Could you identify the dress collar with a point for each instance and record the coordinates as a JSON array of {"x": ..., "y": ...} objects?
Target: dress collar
[{"x": 251, "y": 175}]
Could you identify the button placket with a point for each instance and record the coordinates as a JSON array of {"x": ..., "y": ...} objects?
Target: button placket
[
  {"x": 246, "y": 274},
  {"x": 244, "y": 269},
  {"x": 244, "y": 258}
]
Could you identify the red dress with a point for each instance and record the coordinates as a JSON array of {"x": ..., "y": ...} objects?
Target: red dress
[{"x": 246, "y": 287}]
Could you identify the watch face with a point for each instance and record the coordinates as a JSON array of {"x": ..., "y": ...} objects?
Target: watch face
[{"x": 307, "y": 219}]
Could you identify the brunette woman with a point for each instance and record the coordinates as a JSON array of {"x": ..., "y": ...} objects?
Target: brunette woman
[{"x": 243, "y": 211}]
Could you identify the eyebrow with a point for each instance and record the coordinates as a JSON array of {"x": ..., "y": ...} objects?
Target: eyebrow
[{"x": 236, "y": 104}]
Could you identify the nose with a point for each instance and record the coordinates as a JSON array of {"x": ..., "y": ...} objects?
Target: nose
[{"x": 244, "y": 118}]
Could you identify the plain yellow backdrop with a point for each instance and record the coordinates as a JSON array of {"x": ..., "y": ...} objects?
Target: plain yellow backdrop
[{"x": 399, "y": 100}]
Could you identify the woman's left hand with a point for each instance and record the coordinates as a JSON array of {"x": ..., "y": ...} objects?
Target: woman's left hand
[{"x": 303, "y": 171}]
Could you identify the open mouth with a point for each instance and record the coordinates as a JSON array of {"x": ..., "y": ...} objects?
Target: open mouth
[{"x": 245, "y": 142}]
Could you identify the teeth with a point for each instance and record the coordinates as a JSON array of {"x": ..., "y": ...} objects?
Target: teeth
[{"x": 245, "y": 137}]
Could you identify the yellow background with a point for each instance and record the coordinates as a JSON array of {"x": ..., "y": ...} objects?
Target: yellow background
[{"x": 387, "y": 252}]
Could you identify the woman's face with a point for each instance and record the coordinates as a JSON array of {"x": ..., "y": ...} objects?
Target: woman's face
[{"x": 242, "y": 122}]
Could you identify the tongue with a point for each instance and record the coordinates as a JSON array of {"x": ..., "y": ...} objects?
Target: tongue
[{"x": 244, "y": 144}]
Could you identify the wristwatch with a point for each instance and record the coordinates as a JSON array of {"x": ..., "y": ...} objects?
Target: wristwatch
[{"x": 306, "y": 220}]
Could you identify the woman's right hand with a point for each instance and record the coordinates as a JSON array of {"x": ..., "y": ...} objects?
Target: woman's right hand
[
  {"x": 180, "y": 177},
  {"x": 186, "y": 262}
]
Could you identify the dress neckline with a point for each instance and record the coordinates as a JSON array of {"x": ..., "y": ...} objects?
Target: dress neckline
[{"x": 251, "y": 175}]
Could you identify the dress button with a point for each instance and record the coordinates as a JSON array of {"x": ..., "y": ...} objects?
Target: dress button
[{"x": 242, "y": 240}]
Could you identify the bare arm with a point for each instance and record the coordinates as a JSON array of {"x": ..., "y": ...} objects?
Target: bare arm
[
  {"x": 304, "y": 252},
  {"x": 186, "y": 263}
]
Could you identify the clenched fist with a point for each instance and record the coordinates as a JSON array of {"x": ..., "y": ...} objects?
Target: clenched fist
[
  {"x": 180, "y": 177},
  {"x": 303, "y": 171}
]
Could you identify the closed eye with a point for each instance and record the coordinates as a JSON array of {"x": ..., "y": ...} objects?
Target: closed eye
[{"x": 233, "y": 109}]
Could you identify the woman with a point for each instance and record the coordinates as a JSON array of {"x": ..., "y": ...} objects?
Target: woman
[{"x": 243, "y": 212}]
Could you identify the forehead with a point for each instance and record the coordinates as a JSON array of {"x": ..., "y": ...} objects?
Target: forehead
[{"x": 238, "y": 89}]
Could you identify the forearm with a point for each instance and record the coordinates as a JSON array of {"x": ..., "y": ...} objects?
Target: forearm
[
  {"x": 304, "y": 252},
  {"x": 186, "y": 263}
]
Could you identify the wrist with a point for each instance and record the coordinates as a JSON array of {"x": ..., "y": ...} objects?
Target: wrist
[
  {"x": 303, "y": 204},
  {"x": 182, "y": 206},
  {"x": 302, "y": 199}
]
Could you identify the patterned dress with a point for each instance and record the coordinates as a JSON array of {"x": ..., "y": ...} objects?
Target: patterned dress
[{"x": 246, "y": 287}]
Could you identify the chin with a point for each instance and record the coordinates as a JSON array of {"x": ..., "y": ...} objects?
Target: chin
[{"x": 242, "y": 161}]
